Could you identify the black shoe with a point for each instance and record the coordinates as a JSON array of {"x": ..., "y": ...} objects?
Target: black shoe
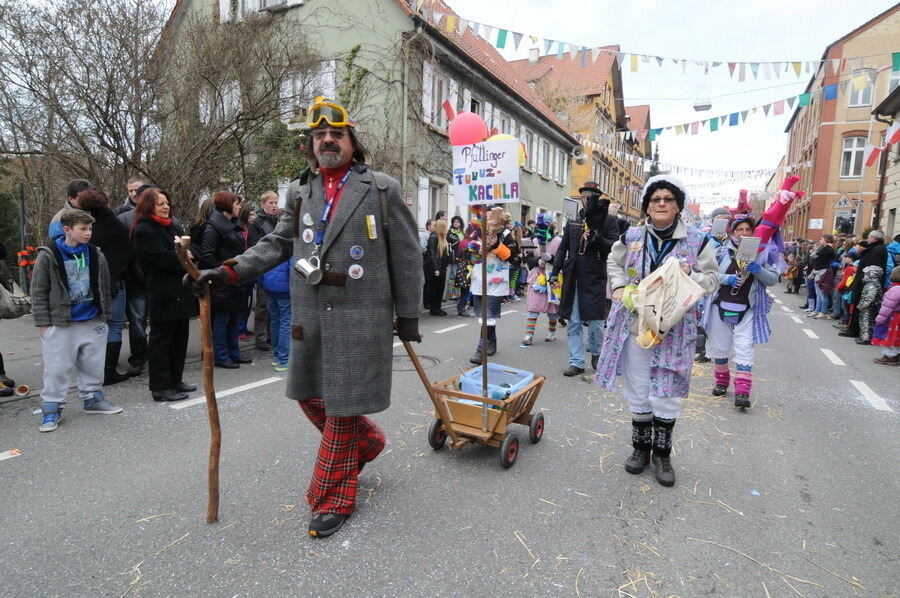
[
  {"x": 741, "y": 400},
  {"x": 439, "y": 312},
  {"x": 638, "y": 460},
  {"x": 573, "y": 370},
  {"x": 492, "y": 347},
  {"x": 6, "y": 391},
  {"x": 594, "y": 360},
  {"x": 182, "y": 387},
  {"x": 665, "y": 475},
  {"x": 111, "y": 376},
  {"x": 463, "y": 313},
  {"x": 847, "y": 333},
  {"x": 168, "y": 395},
  {"x": 135, "y": 369},
  {"x": 325, "y": 524},
  {"x": 243, "y": 360},
  {"x": 264, "y": 346},
  {"x": 476, "y": 359},
  {"x": 861, "y": 341},
  {"x": 719, "y": 390},
  {"x": 4, "y": 381},
  {"x": 228, "y": 365},
  {"x": 701, "y": 358}
]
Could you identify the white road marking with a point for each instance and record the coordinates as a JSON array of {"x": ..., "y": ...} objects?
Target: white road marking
[
  {"x": 778, "y": 301},
  {"x": 224, "y": 393},
  {"x": 786, "y": 308},
  {"x": 796, "y": 320},
  {"x": 398, "y": 344},
  {"x": 509, "y": 311},
  {"x": 874, "y": 400},
  {"x": 810, "y": 333},
  {"x": 10, "y": 454},
  {"x": 443, "y": 330},
  {"x": 832, "y": 357}
]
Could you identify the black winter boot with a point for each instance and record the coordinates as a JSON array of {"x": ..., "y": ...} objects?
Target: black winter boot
[
  {"x": 110, "y": 375},
  {"x": 476, "y": 359},
  {"x": 642, "y": 441},
  {"x": 662, "y": 450}
]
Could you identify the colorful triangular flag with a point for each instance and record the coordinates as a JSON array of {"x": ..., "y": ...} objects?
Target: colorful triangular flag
[
  {"x": 731, "y": 66},
  {"x": 501, "y": 38},
  {"x": 796, "y": 67},
  {"x": 517, "y": 39},
  {"x": 778, "y": 107}
]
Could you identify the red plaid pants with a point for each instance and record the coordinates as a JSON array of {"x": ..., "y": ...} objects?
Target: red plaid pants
[{"x": 346, "y": 442}]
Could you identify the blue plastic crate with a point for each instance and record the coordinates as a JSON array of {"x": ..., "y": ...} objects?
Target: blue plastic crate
[{"x": 503, "y": 381}]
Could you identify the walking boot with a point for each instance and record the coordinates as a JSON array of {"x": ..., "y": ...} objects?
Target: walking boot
[
  {"x": 528, "y": 340},
  {"x": 743, "y": 382},
  {"x": 110, "y": 375},
  {"x": 476, "y": 359},
  {"x": 551, "y": 337},
  {"x": 722, "y": 377},
  {"x": 642, "y": 441},
  {"x": 895, "y": 360},
  {"x": 662, "y": 451},
  {"x": 492, "y": 346}
]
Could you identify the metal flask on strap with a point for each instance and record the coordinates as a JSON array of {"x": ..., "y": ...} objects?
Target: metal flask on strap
[{"x": 309, "y": 270}]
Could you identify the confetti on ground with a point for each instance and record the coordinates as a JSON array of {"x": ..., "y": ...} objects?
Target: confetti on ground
[
  {"x": 763, "y": 565},
  {"x": 168, "y": 546},
  {"x": 138, "y": 576},
  {"x": 153, "y": 517},
  {"x": 855, "y": 582}
]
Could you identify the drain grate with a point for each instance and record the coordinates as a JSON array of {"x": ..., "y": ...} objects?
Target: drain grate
[{"x": 402, "y": 363}]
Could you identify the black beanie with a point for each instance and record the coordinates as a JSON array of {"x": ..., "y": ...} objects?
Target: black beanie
[{"x": 655, "y": 185}]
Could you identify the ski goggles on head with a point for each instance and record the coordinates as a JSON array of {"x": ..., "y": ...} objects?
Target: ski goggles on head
[{"x": 333, "y": 114}]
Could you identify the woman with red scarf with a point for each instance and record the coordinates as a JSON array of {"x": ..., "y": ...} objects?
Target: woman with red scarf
[{"x": 170, "y": 304}]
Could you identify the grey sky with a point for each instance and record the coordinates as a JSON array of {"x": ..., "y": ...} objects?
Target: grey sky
[{"x": 759, "y": 30}]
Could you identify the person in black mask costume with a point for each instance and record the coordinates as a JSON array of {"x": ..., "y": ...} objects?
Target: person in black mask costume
[{"x": 582, "y": 260}]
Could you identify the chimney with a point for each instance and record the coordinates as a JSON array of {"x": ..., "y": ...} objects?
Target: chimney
[{"x": 532, "y": 56}]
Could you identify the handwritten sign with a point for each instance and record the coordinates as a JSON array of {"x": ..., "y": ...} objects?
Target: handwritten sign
[
  {"x": 486, "y": 173},
  {"x": 747, "y": 250}
]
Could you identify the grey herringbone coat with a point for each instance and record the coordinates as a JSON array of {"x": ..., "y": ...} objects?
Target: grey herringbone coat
[{"x": 342, "y": 336}]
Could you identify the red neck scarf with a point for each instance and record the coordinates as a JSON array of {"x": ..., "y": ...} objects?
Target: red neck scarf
[
  {"x": 161, "y": 221},
  {"x": 330, "y": 179}
]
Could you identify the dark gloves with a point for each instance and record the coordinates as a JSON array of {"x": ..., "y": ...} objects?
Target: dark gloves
[
  {"x": 408, "y": 329},
  {"x": 216, "y": 276},
  {"x": 754, "y": 267}
]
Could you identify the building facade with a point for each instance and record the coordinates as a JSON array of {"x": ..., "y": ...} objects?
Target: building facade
[
  {"x": 827, "y": 137},
  {"x": 889, "y": 183},
  {"x": 398, "y": 68}
]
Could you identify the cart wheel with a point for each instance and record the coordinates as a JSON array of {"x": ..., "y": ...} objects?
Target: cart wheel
[
  {"x": 536, "y": 429},
  {"x": 437, "y": 436},
  {"x": 509, "y": 450}
]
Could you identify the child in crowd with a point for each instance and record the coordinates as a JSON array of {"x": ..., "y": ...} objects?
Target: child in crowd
[
  {"x": 277, "y": 285},
  {"x": 887, "y": 323},
  {"x": 70, "y": 294},
  {"x": 869, "y": 302},
  {"x": 539, "y": 294}
]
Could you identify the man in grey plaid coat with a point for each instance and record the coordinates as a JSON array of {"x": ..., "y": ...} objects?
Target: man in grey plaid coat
[{"x": 341, "y": 349}]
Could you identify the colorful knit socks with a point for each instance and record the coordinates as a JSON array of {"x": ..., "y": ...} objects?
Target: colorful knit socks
[
  {"x": 721, "y": 372},
  {"x": 552, "y": 326},
  {"x": 530, "y": 324},
  {"x": 743, "y": 380}
]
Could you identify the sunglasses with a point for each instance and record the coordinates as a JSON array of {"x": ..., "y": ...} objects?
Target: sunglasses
[
  {"x": 662, "y": 199},
  {"x": 331, "y": 113}
]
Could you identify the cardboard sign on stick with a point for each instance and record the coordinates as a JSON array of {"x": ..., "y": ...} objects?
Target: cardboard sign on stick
[
  {"x": 747, "y": 250},
  {"x": 486, "y": 173},
  {"x": 719, "y": 227}
]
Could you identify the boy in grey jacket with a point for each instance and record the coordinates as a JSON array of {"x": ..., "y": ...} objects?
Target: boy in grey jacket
[{"x": 70, "y": 295}]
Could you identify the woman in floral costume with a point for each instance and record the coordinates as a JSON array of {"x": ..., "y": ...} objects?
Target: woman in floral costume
[{"x": 654, "y": 380}]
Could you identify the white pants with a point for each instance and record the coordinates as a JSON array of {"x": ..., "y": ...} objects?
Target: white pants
[
  {"x": 636, "y": 383},
  {"x": 80, "y": 344},
  {"x": 721, "y": 336}
]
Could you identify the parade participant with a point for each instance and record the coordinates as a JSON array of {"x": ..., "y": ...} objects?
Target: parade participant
[
  {"x": 538, "y": 291},
  {"x": 872, "y": 252},
  {"x": 654, "y": 380},
  {"x": 70, "y": 294},
  {"x": 735, "y": 317},
  {"x": 170, "y": 305},
  {"x": 438, "y": 256},
  {"x": 887, "y": 323},
  {"x": 454, "y": 236},
  {"x": 869, "y": 302},
  {"x": 581, "y": 259},
  {"x": 351, "y": 274},
  {"x": 501, "y": 246}
]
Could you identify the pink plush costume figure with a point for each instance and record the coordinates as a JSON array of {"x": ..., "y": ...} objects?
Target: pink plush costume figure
[
  {"x": 769, "y": 228},
  {"x": 743, "y": 206}
]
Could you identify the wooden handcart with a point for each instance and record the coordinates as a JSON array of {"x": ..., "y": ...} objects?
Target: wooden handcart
[{"x": 487, "y": 422}]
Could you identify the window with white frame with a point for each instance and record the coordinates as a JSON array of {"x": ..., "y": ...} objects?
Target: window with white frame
[
  {"x": 563, "y": 163},
  {"x": 298, "y": 90},
  {"x": 545, "y": 159},
  {"x": 861, "y": 97},
  {"x": 503, "y": 123},
  {"x": 528, "y": 138},
  {"x": 219, "y": 104},
  {"x": 852, "y": 157},
  {"x": 436, "y": 88},
  {"x": 436, "y": 201},
  {"x": 894, "y": 82}
]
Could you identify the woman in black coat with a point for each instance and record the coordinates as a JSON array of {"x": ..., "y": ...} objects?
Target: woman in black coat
[
  {"x": 437, "y": 258},
  {"x": 170, "y": 304},
  {"x": 223, "y": 239},
  {"x": 111, "y": 236}
]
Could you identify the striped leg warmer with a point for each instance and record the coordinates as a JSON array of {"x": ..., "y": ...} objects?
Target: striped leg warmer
[
  {"x": 743, "y": 382},
  {"x": 721, "y": 372}
]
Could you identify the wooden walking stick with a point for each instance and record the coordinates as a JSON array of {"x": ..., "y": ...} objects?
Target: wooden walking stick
[{"x": 209, "y": 389}]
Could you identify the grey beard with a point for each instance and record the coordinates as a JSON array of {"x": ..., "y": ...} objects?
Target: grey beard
[{"x": 330, "y": 160}]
